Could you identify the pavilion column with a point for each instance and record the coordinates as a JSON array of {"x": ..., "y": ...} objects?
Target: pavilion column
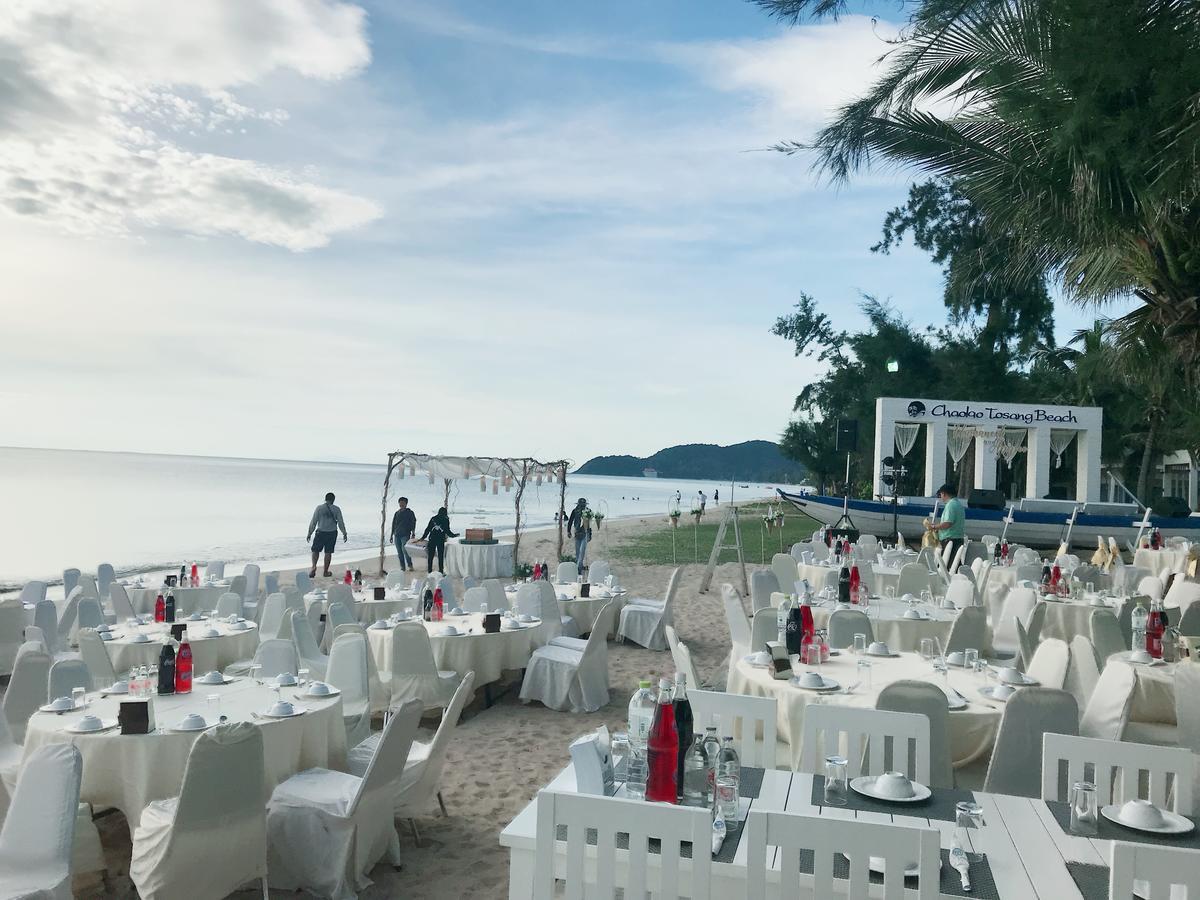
[
  {"x": 885, "y": 445},
  {"x": 935, "y": 455},
  {"x": 1037, "y": 463},
  {"x": 985, "y": 465},
  {"x": 1087, "y": 466}
]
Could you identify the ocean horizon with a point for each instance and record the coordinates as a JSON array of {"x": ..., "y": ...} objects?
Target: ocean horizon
[{"x": 145, "y": 512}]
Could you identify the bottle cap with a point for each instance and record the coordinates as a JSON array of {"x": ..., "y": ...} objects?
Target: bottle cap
[
  {"x": 664, "y": 683},
  {"x": 644, "y": 683}
]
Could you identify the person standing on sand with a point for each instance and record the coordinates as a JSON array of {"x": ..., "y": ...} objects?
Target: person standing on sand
[
  {"x": 435, "y": 536},
  {"x": 703, "y": 500},
  {"x": 717, "y": 497},
  {"x": 404, "y": 526},
  {"x": 951, "y": 530},
  {"x": 582, "y": 532},
  {"x": 326, "y": 520}
]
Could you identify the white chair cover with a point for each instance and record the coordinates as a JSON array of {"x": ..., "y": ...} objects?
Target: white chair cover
[
  {"x": 1019, "y": 603},
  {"x": 10, "y": 767},
  {"x": 762, "y": 584},
  {"x": 1182, "y": 594},
  {"x": 292, "y": 598},
  {"x": 415, "y": 676},
  {"x": 66, "y": 675},
  {"x": 211, "y": 839},
  {"x": 682, "y": 657},
  {"x": 316, "y": 624},
  {"x": 566, "y": 572},
  {"x": 913, "y": 579},
  {"x": 1083, "y": 670},
  {"x": 214, "y": 569},
  {"x": 1033, "y": 624},
  {"x": 122, "y": 607},
  {"x": 34, "y": 635},
  {"x": 88, "y": 615},
  {"x": 272, "y": 616},
  {"x": 275, "y": 655},
  {"x": 304, "y": 584},
  {"x": 326, "y": 830},
  {"x": 344, "y": 594},
  {"x": 349, "y": 673},
  {"x": 554, "y": 624},
  {"x": 969, "y": 630},
  {"x": 1031, "y": 712},
  {"x": 476, "y": 599},
  {"x": 12, "y": 627},
  {"x": 271, "y": 583},
  {"x": 1189, "y": 622},
  {"x": 562, "y": 678},
  {"x": 785, "y": 569},
  {"x": 529, "y": 600},
  {"x": 1049, "y": 663},
  {"x": 39, "y": 831},
  {"x": 1106, "y": 635},
  {"x": 395, "y": 579},
  {"x": 45, "y": 617},
  {"x": 598, "y": 571},
  {"x": 961, "y": 592},
  {"x": 104, "y": 578},
  {"x": 1187, "y": 710},
  {"x": 643, "y": 624},
  {"x": 95, "y": 655},
  {"x": 250, "y": 592},
  {"x": 230, "y": 604},
  {"x": 1151, "y": 586},
  {"x": 497, "y": 599},
  {"x": 763, "y": 627},
  {"x": 311, "y": 656},
  {"x": 336, "y": 615},
  {"x": 27, "y": 688},
  {"x": 844, "y": 624},
  {"x": 1107, "y": 712},
  {"x": 739, "y": 626},
  {"x": 925, "y": 699}
]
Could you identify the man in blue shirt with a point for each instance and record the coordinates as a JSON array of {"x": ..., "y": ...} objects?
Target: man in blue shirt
[{"x": 952, "y": 528}]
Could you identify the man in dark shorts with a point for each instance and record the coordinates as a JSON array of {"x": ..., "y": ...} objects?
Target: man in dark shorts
[{"x": 325, "y": 522}]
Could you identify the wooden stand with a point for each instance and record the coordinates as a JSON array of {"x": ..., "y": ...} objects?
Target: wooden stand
[{"x": 719, "y": 545}]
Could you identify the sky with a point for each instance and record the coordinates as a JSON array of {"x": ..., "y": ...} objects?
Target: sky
[{"x": 313, "y": 229}]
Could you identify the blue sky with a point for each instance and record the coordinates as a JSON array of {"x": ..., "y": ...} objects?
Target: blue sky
[{"x": 325, "y": 230}]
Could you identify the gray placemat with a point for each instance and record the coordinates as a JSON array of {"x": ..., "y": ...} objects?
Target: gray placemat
[
  {"x": 1092, "y": 880},
  {"x": 939, "y": 805},
  {"x": 982, "y": 883},
  {"x": 1111, "y": 831}
]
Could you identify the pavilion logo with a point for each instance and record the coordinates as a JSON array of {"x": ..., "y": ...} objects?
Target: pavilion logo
[{"x": 916, "y": 409}]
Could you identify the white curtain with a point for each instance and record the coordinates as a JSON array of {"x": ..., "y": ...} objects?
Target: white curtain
[
  {"x": 958, "y": 441},
  {"x": 906, "y": 436},
  {"x": 1010, "y": 443},
  {"x": 1060, "y": 440}
]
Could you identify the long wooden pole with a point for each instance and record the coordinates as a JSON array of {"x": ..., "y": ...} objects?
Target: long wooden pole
[
  {"x": 562, "y": 506},
  {"x": 383, "y": 509}
]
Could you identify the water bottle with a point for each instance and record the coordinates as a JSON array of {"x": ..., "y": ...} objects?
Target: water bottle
[
  {"x": 729, "y": 779},
  {"x": 695, "y": 775},
  {"x": 712, "y": 749},
  {"x": 1140, "y": 616},
  {"x": 641, "y": 715},
  {"x": 781, "y": 618}
]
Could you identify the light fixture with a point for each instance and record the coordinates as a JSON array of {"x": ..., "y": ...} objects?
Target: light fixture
[{"x": 893, "y": 365}]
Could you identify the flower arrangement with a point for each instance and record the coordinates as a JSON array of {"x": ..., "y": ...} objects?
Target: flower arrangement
[
  {"x": 597, "y": 519},
  {"x": 673, "y": 517},
  {"x": 697, "y": 512}
]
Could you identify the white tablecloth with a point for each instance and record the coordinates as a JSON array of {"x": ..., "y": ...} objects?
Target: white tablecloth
[
  {"x": 187, "y": 599},
  {"x": 889, "y": 625},
  {"x": 486, "y": 654},
  {"x": 129, "y": 771},
  {"x": 1157, "y": 560},
  {"x": 478, "y": 560},
  {"x": 972, "y": 730},
  {"x": 584, "y": 611},
  {"x": 207, "y": 653}
]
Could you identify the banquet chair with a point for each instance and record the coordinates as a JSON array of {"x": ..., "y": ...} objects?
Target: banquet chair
[
  {"x": 1106, "y": 635},
  {"x": 1024, "y": 648},
  {"x": 1189, "y": 622},
  {"x": 951, "y": 568},
  {"x": 304, "y": 584},
  {"x": 1030, "y": 713},
  {"x": 682, "y": 657},
  {"x": 820, "y": 550},
  {"x": 1024, "y": 556},
  {"x": 395, "y": 579},
  {"x": 423, "y": 768},
  {"x": 829, "y": 840},
  {"x": 27, "y": 688},
  {"x": 1151, "y": 586},
  {"x": 667, "y": 873},
  {"x": 95, "y": 655},
  {"x": 272, "y": 616},
  {"x": 12, "y": 626},
  {"x": 476, "y": 599},
  {"x": 844, "y": 624},
  {"x": 1187, "y": 710},
  {"x": 214, "y": 569},
  {"x": 343, "y": 594},
  {"x": 45, "y": 617},
  {"x": 1182, "y": 594},
  {"x": 913, "y": 579},
  {"x": 122, "y": 606},
  {"x": 414, "y": 675},
  {"x": 1127, "y": 578},
  {"x": 271, "y": 583},
  {"x": 798, "y": 549},
  {"x": 968, "y": 631},
  {"x": 237, "y": 585},
  {"x": 105, "y": 576},
  {"x": 448, "y": 595},
  {"x": 1117, "y": 771},
  {"x": 529, "y": 600},
  {"x": 566, "y": 679},
  {"x": 976, "y": 550},
  {"x": 469, "y": 581},
  {"x": 1049, "y": 663},
  {"x": 642, "y": 621},
  {"x": 764, "y": 626},
  {"x": 326, "y": 830},
  {"x": 598, "y": 571},
  {"x": 70, "y": 580},
  {"x": 1034, "y": 622},
  {"x": 1153, "y": 871},
  {"x": 604, "y": 620},
  {"x": 230, "y": 604},
  {"x": 981, "y": 583},
  {"x": 762, "y": 584},
  {"x": 66, "y": 618},
  {"x": 739, "y": 626},
  {"x": 275, "y": 655},
  {"x": 1083, "y": 670},
  {"x": 784, "y": 569},
  {"x": 336, "y": 615},
  {"x": 311, "y": 657},
  {"x": 1031, "y": 572},
  {"x": 751, "y": 719},
  {"x": 292, "y": 598},
  {"x": 250, "y": 593},
  {"x": 497, "y": 599},
  {"x": 87, "y": 584},
  {"x": 961, "y": 592},
  {"x": 926, "y": 557},
  {"x": 38, "y": 834},
  {"x": 867, "y": 735},
  {"x": 315, "y": 615},
  {"x": 89, "y": 614},
  {"x": 1017, "y": 605},
  {"x": 1089, "y": 574},
  {"x": 348, "y": 673},
  {"x": 214, "y": 833},
  {"x": 928, "y": 700},
  {"x": 1107, "y": 712},
  {"x": 10, "y": 767},
  {"x": 565, "y": 626},
  {"x": 566, "y": 573},
  {"x": 34, "y": 635},
  {"x": 376, "y": 692},
  {"x": 66, "y": 675}
]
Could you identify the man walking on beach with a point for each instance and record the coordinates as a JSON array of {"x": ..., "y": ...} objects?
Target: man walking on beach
[
  {"x": 703, "y": 500},
  {"x": 404, "y": 525},
  {"x": 326, "y": 520},
  {"x": 582, "y": 532}
]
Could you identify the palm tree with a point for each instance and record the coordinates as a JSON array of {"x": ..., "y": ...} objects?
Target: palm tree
[{"x": 1074, "y": 125}]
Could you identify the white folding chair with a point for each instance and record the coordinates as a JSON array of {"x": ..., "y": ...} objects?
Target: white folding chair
[
  {"x": 326, "y": 830},
  {"x": 1116, "y": 768},
  {"x": 27, "y": 688},
  {"x": 39, "y": 832},
  {"x": 311, "y": 656},
  {"x": 414, "y": 675},
  {"x": 669, "y": 877},
  {"x": 218, "y": 816},
  {"x": 566, "y": 573},
  {"x": 348, "y": 672},
  {"x": 896, "y": 846},
  {"x": 844, "y": 624},
  {"x": 763, "y": 583},
  {"x": 1152, "y": 871},
  {"x": 643, "y": 622},
  {"x": 1029, "y": 714},
  {"x": 561, "y": 678},
  {"x": 1049, "y": 663},
  {"x": 753, "y": 718},
  {"x": 864, "y": 737}
]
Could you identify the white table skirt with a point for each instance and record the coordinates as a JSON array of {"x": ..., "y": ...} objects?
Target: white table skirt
[
  {"x": 889, "y": 625},
  {"x": 1157, "y": 560},
  {"x": 207, "y": 653},
  {"x": 130, "y": 771},
  {"x": 487, "y": 655},
  {"x": 972, "y": 730},
  {"x": 477, "y": 560},
  {"x": 187, "y": 599}
]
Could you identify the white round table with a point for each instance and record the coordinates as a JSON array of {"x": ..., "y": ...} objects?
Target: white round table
[
  {"x": 366, "y": 608},
  {"x": 1157, "y": 560},
  {"x": 888, "y": 623},
  {"x": 477, "y": 560},
  {"x": 187, "y": 599},
  {"x": 129, "y": 771},
  {"x": 972, "y": 730},
  {"x": 487, "y": 655},
  {"x": 208, "y": 653}
]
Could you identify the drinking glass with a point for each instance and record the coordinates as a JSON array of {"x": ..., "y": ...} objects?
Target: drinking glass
[
  {"x": 890, "y": 592},
  {"x": 864, "y": 671},
  {"x": 967, "y": 817},
  {"x": 725, "y": 803},
  {"x": 970, "y": 659},
  {"x": 212, "y": 703},
  {"x": 255, "y": 668},
  {"x": 836, "y": 787},
  {"x": 927, "y": 597},
  {"x": 1091, "y": 587},
  {"x": 927, "y": 652},
  {"x": 1083, "y": 809},
  {"x": 860, "y": 644},
  {"x": 78, "y": 696},
  {"x": 812, "y": 654}
]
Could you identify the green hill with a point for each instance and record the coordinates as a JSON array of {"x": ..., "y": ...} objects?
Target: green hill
[{"x": 747, "y": 461}]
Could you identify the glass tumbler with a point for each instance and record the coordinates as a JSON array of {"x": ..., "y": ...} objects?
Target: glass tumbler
[
  {"x": 967, "y": 817},
  {"x": 860, "y": 644},
  {"x": 78, "y": 697},
  {"x": 1083, "y": 809},
  {"x": 970, "y": 659},
  {"x": 836, "y": 787},
  {"x": 927, "y": 651},
  {"x": 864, "y": 672}
]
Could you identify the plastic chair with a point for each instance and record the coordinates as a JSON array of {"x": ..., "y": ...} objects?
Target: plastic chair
[
  {"x": 844, "y": 624},
  {"x": 39, "y": 832},
  {"x": 1159, "y": 868},
  {"x": 922, "y": 698},
  {"x": 1118, "y": 768},
  {"x": 867, "y": 734},
  {"x": 1015, "y": 766},
  {"x": 752, "y": 719}
]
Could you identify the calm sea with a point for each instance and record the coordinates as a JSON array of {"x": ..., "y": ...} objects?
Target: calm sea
[{"x": 143, "y": 512}]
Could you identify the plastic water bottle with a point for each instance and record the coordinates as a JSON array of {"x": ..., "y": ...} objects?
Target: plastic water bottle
[
  {"x": 1140, "y": 616},
  {"x": 712, "y": 749},
  {"x": 729, "y": 769},
  {"x": 641, "y": 715},
  {"x": 781, "y": 618}
]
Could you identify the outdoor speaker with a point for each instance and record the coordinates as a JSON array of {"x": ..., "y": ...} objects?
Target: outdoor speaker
[{"x": 847, "y": 436}]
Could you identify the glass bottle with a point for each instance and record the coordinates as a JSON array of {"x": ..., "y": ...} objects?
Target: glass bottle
[
  {"x": 439, "y": 606},
  {"x": 844, "y": 584},
  {"x": 855, "y": 583},
  {"x": 169, "y": 606},
  {"x": 695, "y": 774},
  {"x": 160, "y": 608},
  {"x": 1139, "y": 617},
  {"x": 683, "y": 726},
  {"x": 728, "y": 782},
  {"x": 195, "y": 575},
  {"x": 1156, "y": 626},
  {"x": 183, "y": 666},
  {"x": 781, "y": 620},
  {"x": 663, "y": 749},
  {"x": 166, "y": 669}
]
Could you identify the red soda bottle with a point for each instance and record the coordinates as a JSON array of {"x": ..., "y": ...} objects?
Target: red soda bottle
[
  {"x": 808, "y": 630},
  {"x": 183, "y": 666},
  {"x": 663, "y": 746},
  {"x": 438, "y": 605},
  {"x": 855, "y": 583},
  {"x": 537, "y": 571},
  {"x": 349, "y": 579},
  {"x": 1156, "y": 626},
  {"x": 195, "y": 575},
  {"x": 160, "y": 608}
]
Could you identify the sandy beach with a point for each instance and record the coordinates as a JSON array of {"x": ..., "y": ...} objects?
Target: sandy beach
[{"x": 501, "y": 755}]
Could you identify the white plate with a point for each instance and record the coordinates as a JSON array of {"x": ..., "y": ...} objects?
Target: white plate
[
  {"x": 51, "y": 709},
  {"x": 750, "y": 661},
  {"x": 865, "y": 785},
  {"x": 1137, "y": 662},
  {"x": 1028, "y": 682},
  {"x": 225, "y": 679},
  {"x": 1175, "y": 824},
  {"x": 204, "y": 727},
  {"x": 105, "y": 725},
  {"x": 830, "y": 684},
  {"x": 891, "y": 655},
  {"x": 138, "y": 638},
  {"x": 296, "y": 711}
]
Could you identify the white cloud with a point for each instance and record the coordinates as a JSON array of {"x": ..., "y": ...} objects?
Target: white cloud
[{"x": 97, "y": 100}]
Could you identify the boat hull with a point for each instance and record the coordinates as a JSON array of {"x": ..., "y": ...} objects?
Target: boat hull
[{"x": 1035, "y": 529}]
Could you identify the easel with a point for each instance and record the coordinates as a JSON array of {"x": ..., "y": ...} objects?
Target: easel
[{"x": 719, "y": 545}]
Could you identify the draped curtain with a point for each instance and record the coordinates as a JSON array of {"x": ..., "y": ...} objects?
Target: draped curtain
[
  {"x": 1060, "y": 440},
  {"x": 906, "y": 436},
  {"x": 958, "y": 442}
]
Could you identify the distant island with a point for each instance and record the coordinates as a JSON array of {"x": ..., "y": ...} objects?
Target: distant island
[{"x": 747, "y": 461}]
